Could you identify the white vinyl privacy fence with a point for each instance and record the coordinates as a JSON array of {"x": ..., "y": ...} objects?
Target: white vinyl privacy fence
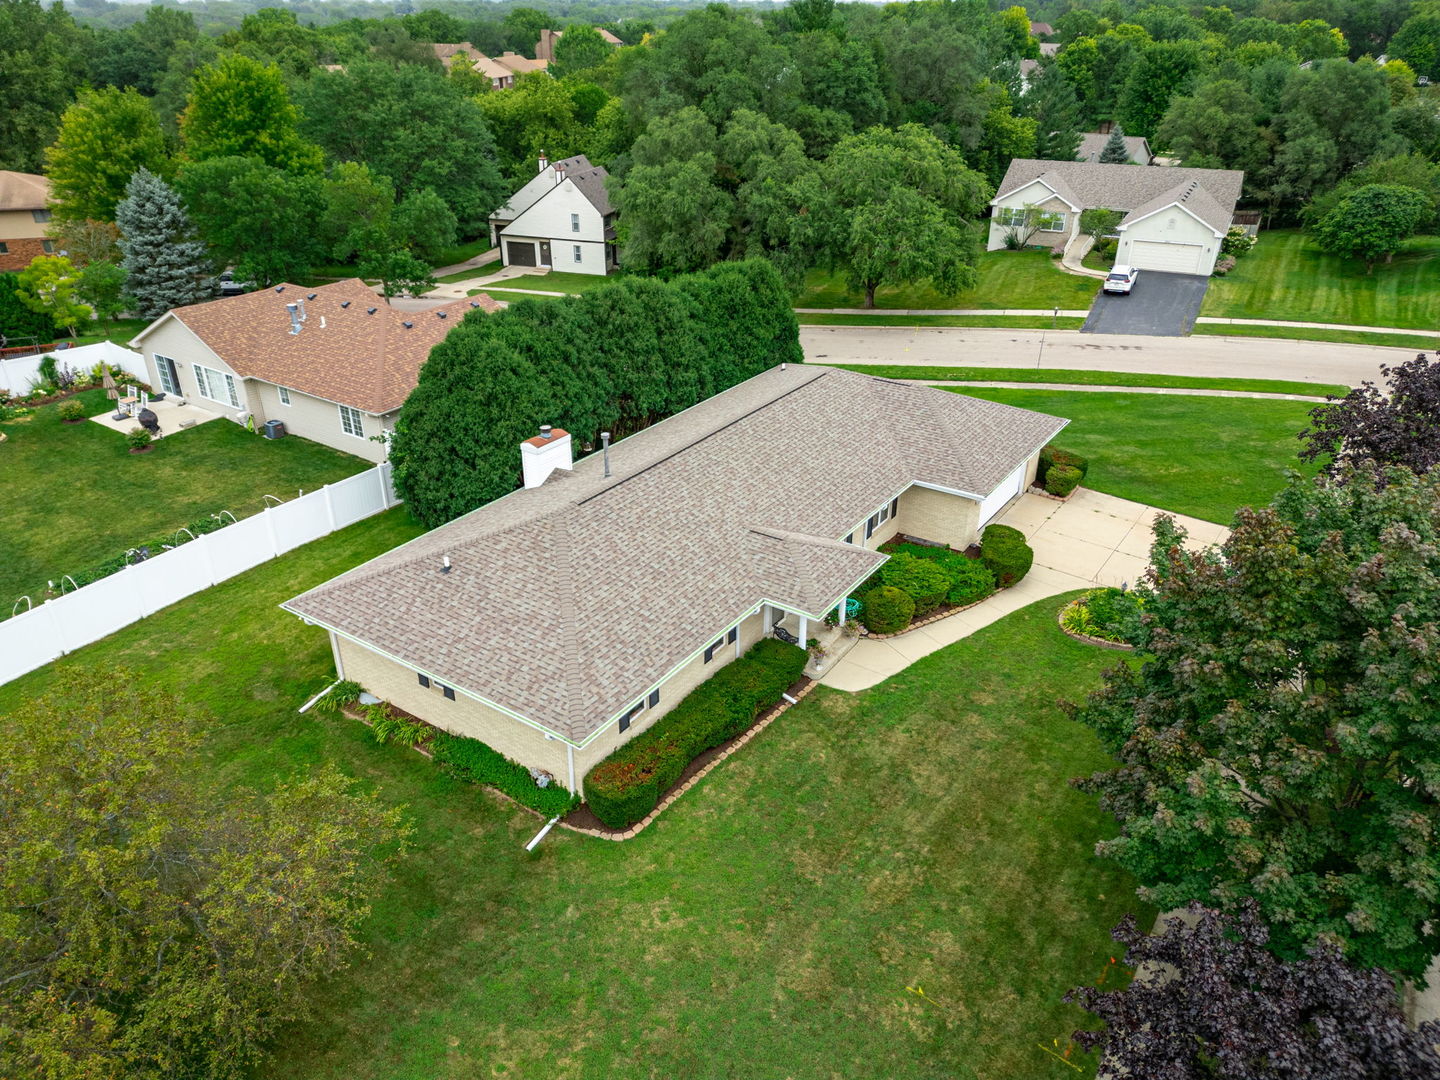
[
  {"x": 34, "y": 638},
  {"x": 18, "y": 372}
]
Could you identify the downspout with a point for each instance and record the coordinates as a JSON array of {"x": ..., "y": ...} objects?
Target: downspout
[{"x": 570, "y": 760}]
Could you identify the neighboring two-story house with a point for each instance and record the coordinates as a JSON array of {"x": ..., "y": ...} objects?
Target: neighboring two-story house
[
  {"x": 561, "y": 219},
  {"x": 334, "y": 363},
  {"x": 24, "y": 213},
  {"x": 565, "y": 618}
]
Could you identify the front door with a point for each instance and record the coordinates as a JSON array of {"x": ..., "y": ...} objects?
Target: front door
[
  {"x": 169, "y": 377},
  {"x": 544, "y": 252}
]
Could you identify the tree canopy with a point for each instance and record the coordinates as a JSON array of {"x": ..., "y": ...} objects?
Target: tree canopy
[
  {"x": 239, "y": 107},
  {"x": 1396, "y": 426},
  {"x": 104, "y": 137},
  {"x": 1373, "y": 222}
]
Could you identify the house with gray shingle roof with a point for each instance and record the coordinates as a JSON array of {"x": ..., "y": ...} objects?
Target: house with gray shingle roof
[
  {"x": 1092, "y": 145},
  {"x": 562, "y": 219},
  {"x": 1174, "y": 218},
  {"x": 561, "y": 620}
]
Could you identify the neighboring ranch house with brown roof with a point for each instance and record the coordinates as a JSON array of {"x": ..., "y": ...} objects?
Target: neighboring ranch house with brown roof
[
  {"x": 334, "y": 363},
  {"x": 561, "y": 218},
  {"x": 561, "y": 620},
  {"x": 545, "y": 47},
  {"x": 501, "y": 70},
  {"x": 1174, "y": 219},
  {"x": 24, "y": 213}
]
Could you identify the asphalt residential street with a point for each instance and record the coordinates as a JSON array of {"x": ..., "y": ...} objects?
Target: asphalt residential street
[
  {"x": 1157, "y": 305},
  {"x": 1215, "y": 357}
]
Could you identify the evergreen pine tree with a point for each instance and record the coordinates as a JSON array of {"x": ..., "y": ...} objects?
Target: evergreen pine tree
[
  {"x": 164, "y": 264},
  {"x": 1115, "y": 152}
]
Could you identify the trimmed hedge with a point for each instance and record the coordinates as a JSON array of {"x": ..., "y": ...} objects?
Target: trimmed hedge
[
  {"x": 628, "y": 784},
  {"x": 1004, "y": 550},
  {"x": 970, "y": 580},
  {"x": 1062, "y": 480},
  {"x": 886, "y": 610},
  {"x": 925, "y": 580},
  {"x": 1052, "y": 455},
  {"x": 472, "y": 760}
]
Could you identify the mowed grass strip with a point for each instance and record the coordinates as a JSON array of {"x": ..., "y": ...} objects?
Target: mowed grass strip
[
  {"x": 73, "y": 495},
  {"x": 1286, "y": 276},
  {"x": 1008, "y": 279},
  {"x": 1202, "y": 456},
  {"x": 1012, "y": 322},
  {"x": 776, "y": 922},
  {"x": 1410, "y": 342},
  {"x": 925, "y": 373}
]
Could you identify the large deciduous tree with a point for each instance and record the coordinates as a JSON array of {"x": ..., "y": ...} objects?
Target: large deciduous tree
[
  {"x": 49, "y": 287},
  {"x": 165, "y": 265},
  {"x": 412, "y": 125},
  {"x": 896, "y": 206},
  {"x": 41, "y": 63},
  {"x": 580, "y": 48},
  {"x": 258, "y": 218},
  {"x": 1279, "y": 740},
  {"x": 239, "y": 107},
  {"x": 150, "y": 929},
  {"x": 104, "y": 137},
  {"x": 1397, "y": 426},
  {"x": 1160, "y": 71},
  {"x": 1214, "y": 128},
  {"x": 1373, "y": 222},
  {"x": 1210, "y": 1002}
]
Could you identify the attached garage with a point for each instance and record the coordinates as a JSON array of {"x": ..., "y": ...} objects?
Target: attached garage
[
  {"x": 1011, "y": 486},
  {"x": 1167, "y": 257},
  {"x": 519, "y": 253}
]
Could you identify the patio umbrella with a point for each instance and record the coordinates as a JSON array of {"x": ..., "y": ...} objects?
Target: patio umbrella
[{"x": 108, "y": 382}]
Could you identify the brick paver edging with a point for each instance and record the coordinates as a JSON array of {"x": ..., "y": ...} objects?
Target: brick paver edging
[
  {"x": 1086, "y": 638},
  {"x": 1035, "y": 489},
  {"x": 932, "y": 618},
  {"x": 755, "y": 729}
]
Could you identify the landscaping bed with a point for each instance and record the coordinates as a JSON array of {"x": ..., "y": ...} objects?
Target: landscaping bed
[{"x": 1106, "y": 617}]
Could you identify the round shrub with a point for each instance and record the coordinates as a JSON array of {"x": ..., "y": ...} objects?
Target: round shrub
[
  {"x": 71, "y": 409},
  {"x": 886, "y": 610},
  {"x": 1003, "y": 549},
  {"x": 924, "y": 580},
  {"x": 970, "y": 580},
  {"x": 138, "y": 438},
  {"x": 1052, "y": 455},
  {"x": 1062, "y": 479}
]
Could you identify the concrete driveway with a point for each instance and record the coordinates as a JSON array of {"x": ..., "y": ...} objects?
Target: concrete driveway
[
  {"x": 1160, "y": 305},
  {"x": 1091, "y": 540}
]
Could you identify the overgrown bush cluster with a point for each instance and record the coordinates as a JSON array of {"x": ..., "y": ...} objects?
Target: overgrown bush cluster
[
  {"x": 917, "y": 580},
  {"x": 1108, "y": 614},
  {"x": 618, "y": 358},
  {"x": 472, "y": 760},
  {"x": 628, "y": 784}
]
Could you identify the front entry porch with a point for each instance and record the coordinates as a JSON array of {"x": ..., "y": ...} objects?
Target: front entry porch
[{"x": 831, "y": 642}]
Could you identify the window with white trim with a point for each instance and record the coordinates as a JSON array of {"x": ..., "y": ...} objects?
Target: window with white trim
[
  {"x": 1046, "y": 220},
  {"x": 350, "y": 421},
  {"x": 574, "y": 222},
  {"x": 169, "y": 374},
  {"x": 284, "y": 392},
  {"x": 41, "y": 215},
  {"x": 577, "y": 252},
  {"x": 216, "y": 385},
  {"x": 877, "y": 519}
]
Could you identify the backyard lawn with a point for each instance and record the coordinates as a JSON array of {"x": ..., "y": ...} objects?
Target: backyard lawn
[
  {"x": 781, "y": 920},
  {"x": 1287, "y": 277},
  {"x": 1008, "y": 279},
  {"x": 1202, "y": 456},
  {"x": 73, "y": 495}
]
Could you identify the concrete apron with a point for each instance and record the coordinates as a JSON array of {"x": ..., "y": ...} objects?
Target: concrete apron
[{"x": 1091, "y": 540}]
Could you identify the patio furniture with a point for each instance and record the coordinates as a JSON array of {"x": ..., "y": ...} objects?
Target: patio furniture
[{"x": 785, "y": 636}]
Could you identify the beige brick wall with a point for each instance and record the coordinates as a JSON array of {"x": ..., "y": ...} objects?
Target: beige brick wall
[{"x": 939, "y": 517}]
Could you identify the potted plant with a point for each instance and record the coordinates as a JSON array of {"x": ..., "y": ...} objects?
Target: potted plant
[
  {"x": 72, "y": 411},
  {"x": 139, "y": 440}
]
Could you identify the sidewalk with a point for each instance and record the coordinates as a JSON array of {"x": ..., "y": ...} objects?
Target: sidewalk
[
  {"x": 469, "y": 264},
  {"x": 1064, "y": 313},
  {"x": 1319, "y": 326},
  {"x": 1093, "y": 539},
  {"x": 454, "y": 290},
  {"x": 1124, "y": 389}
]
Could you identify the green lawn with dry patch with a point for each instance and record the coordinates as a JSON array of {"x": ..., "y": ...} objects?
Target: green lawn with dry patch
[{"x": 780, "y": 921}]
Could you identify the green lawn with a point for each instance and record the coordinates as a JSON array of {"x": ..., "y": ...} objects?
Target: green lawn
[
  {"x": 1201, "y": 456},
  {"x": 776, "y": 922},
  {"x": 1412, "y": 342},
  {"x": 1008, "y": 279},
  {"x": 74, "y": 495},
  {"x": 1013, "y": 322},
  {"x": 1089, "y": 378},
  {"x": 1287, "y": 277},
  {"x": 479, "y": 271}
]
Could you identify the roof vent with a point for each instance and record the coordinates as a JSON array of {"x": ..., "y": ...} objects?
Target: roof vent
[
  {"x": 474, "y": 303},
  {"x": 345, "y": 303},
  {"x": 441, "y": 314},
  {"x": 445, "y": 564},
  {"x": 279, "y": 288},
  {"x": 408, "y": 325},
  {"x": 294, "y": 318},
  {"x": 371, "y": 311},
  {"x": 311, "y": 296}
]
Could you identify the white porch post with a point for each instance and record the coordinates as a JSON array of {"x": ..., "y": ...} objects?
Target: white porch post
[
  {"x": 765, "y": 620},
  {"x": 843, "y": 601},
  {"x": 804, "y": 630}
]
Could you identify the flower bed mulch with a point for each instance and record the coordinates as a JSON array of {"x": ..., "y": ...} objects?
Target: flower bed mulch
[
  {"x": 1119, "y": 646},
  {"x": 581, "y": 820}
]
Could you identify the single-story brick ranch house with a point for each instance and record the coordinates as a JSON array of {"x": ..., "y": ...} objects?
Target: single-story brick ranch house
[
  {"x": 335, "y": 363},
  {"x": 1174, "y": 219},
  {"x": 563, "y": 619}
]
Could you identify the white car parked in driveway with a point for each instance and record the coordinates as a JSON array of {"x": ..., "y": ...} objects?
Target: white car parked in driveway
[{"x": 1121, "y": 279}]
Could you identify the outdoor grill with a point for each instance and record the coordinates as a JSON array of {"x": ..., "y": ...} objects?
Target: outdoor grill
[{"x": 148, "y": 420}]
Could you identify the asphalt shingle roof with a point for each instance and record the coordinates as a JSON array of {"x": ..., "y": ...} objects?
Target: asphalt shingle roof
[
  {"x": 343, "y": 353},
  {"x": 1137, "y": 189},
  {"x": 566, "y": 602},
  {"x": 1092, "y": 145},
  {"x": 23, "y": 191}
]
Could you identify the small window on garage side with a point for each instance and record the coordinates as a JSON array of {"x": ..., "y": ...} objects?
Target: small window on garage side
[
  {"x": 734, "y": 633},
  {"x": 895, "y": 506},
  {"x": 654, "y": 699},
  {"x": 425, "y": 681},
  {"x": 579, "y": 255},
  {"x": 574, "y": 222},
  {"x": 710, "y": 650},
  {"x": 284, "y": 394},
  {"x": 448, "y": 691},
  {"x": 625, "y": 720}
]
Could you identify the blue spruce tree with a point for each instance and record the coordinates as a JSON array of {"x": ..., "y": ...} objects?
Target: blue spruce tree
[{"x": 165, "y": 265}]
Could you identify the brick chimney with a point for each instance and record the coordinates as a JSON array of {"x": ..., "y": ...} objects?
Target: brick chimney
[{"x": 542, "y": 455}]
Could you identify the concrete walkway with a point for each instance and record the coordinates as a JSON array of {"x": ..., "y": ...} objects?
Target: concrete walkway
[
  {"x": 1076, "y": 250},
  {"x": 1433, "y": 334},
  {"x": 1125, "y": 389},
  {"x": 469, "y": 264},
  {"x": 454, "y": 290},
  {"x": 1091, "y": 540},
  {"x": 1064, "y": 313}
]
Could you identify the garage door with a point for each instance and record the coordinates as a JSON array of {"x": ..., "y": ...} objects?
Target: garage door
[
  {"x": 519, "y": 253},
  {"x": 1008, "y": 489},
  {"x": 1170, "y": 258}
]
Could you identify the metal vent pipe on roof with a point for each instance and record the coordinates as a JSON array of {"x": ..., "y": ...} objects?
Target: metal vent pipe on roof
[
  {"x": 545, "y": 430},
  {"x": 605, "y": 450},
  {"x": 294, "y": 318}
]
